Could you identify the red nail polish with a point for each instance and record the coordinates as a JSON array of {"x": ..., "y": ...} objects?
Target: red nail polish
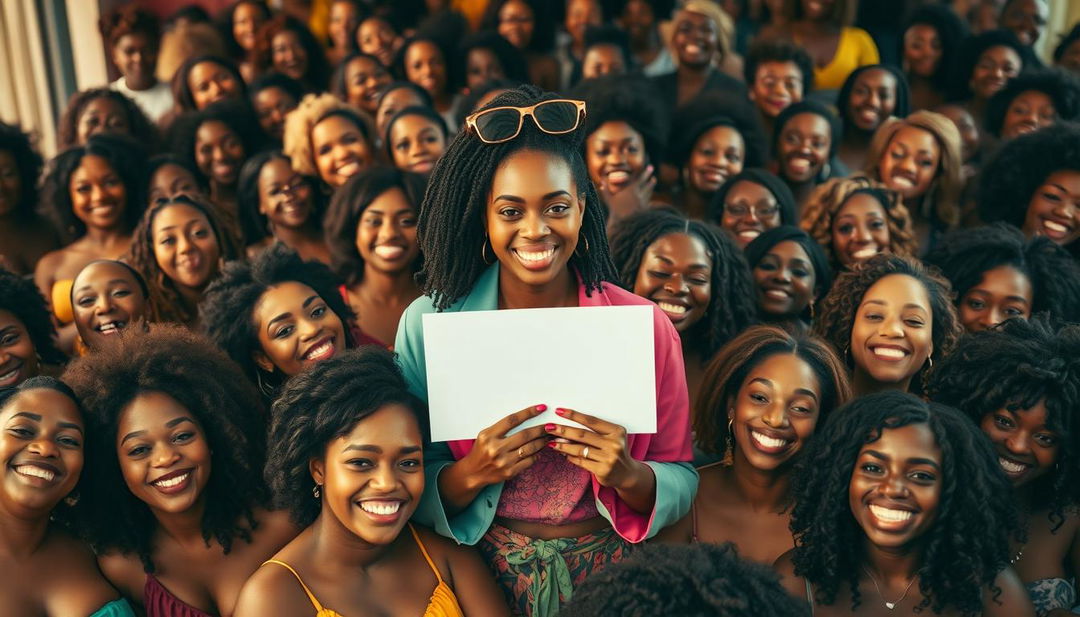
[
  {"x": 549, "y": 427},
  {"x": 560, "y": 411},
  {"x": 552, "y": 444},
  {"x": 541, "y": 407}
]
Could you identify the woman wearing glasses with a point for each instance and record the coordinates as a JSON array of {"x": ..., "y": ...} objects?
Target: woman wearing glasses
[
  {"x": 547, "y": 505},
  {"x": 750, "y": 203}
]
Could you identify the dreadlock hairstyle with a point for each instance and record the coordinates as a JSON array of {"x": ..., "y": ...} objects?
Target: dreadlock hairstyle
[
  {"x": 451, "y": 216},
  {"x": 733, "y": 363},
  {"x": 731, "y": 305},
  {"x": 698, "y": 580},
  {"x": 825, "y": 203},
  {"x": 28, "y": 164},
  {"x": 139, "y": 126},
  {"x": 253, "y": 223},
  {"x": 1015, "y": 366},
  {"x": 321, "y": 404},
  {"x": 837, "y": 313},
  {"x": 1061, "y": 86},
  {"x": 165, "y": 299},
  {"x": 186, "y": 367},
  {"x": 228, "y": 306},
  {"x": 348, "y": 205},
  {"x": 20, "y": 297},
  {"x": 966, "y": 255},
  {"x": 843, "y": 99},
  {"x": 181, "y": 86},
  {"x": 967, "y": 544},
  {"x": 127, "y": 159},
  {"x": 762, "y": 177}
]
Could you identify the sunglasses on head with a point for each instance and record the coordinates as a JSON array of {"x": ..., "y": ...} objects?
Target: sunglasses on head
[{"x": 499, "y": 124}]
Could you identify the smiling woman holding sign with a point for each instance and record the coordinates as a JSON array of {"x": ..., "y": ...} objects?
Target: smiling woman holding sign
[{"x": 550, "y": 504}]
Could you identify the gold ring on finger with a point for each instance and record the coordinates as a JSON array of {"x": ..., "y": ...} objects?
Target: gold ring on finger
[
  {"x": 521, "y": 454},
  {"x": 585, "y": 453}
]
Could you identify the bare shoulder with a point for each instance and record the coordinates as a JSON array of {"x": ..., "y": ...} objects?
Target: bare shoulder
[
  {"x": 272, "y": 590},
  {"x": 1010, "y": 598},
  {"x": 275, "y": 527},
  {"x": 785, "y": 567},
  {"x": 74, "y": 585},
  {"x": 124, "y": 571}
]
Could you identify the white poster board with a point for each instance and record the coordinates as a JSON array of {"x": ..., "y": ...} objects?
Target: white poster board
[{"x": 485, "y": 365}]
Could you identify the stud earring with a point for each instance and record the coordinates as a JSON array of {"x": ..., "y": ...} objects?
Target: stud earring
[{"x": 71, "y": 500}]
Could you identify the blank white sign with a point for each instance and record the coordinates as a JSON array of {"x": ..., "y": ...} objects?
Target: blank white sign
[{"x": 485, "y": 365}]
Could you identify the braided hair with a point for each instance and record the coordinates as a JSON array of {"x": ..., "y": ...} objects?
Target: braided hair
[{"x": 452, "y": 213}]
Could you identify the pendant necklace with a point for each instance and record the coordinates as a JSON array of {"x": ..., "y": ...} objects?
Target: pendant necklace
[{"x": 889, "y": 605}]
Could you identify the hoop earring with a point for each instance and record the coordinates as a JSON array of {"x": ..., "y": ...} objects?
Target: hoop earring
[
  {"x": 265, "y": 389},
  {"x": 729, "y": 441},
  {"x": 826, "y": 169},
  {"x": 315, "y": 492},
  {"x": 483, "y": 252},
  {"x": 811, "y": 310},
  {"x": 586, "y": 247},
  {"x": 930, "y": 359}
]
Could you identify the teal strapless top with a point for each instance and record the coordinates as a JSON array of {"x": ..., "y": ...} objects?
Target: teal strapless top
[{"x": 116, "y": 608}]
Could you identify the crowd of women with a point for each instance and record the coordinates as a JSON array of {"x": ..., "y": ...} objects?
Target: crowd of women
[{"x": 859, "y": 246}]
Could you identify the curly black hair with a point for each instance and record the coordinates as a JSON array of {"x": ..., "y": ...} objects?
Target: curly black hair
[
  {"x": 514, "y": 65},
  {"x": 759, "y": 247},
  {"x": 731, "y": 305},
  {"x": 317, "y": 74},
  {"x": 609, "y": 35},
  {"x": 778, "y": 50},
  {"x": 186, "y": 367},
  {"x": 696, "y": 580},
  {"x": 253, "y": 224},
  {"x": 1009, "y": 180},
  {"x": 629, "y": 99},
  {"x": 20, "y": 297},
  {"x": 227, "y": 307},
  {"x": 779, "y": 189},
  {"x": 544, "y": 27},
  {"x": 143, "y": 130},
  {"x": 972, "y": 48},
  {"x": 965, "y": 255},
  {"x": 237, "y": 115},
  {"x": 348, "y": 205},
  {"x": 224, "y": 23},
  {"x": 338, "y": 87},
  {"x": 1060, "y": 85},
  {"x": 843, "y": 99},
  {"x": 968, "y": 544},
  {"x": 451, "y": 216},
  {"x": 320, "y": 405},
  {"x": 710, "y": 109},
  {"x": 951, "y": 32},
  {"x": 28, "y": 163},
  {"x": 287, "y": 84},
  {"x": 123, "y": 154},
  {"x": 181, "y": 87},
  {"x": 1017, "y": 365},
  {"x": 836, "y": 316}
]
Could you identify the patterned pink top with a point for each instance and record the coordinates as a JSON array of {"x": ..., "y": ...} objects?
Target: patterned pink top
[{"x": 552, "y": 491}]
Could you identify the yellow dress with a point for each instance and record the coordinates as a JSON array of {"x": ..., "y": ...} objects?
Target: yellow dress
[
  {"x": 443, "y": 602},
  {"x": 855, "y": 49}
]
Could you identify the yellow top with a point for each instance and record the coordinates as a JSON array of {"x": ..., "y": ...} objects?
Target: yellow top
[
  {"x": 443, "y": 602},
  {"x": 855, "y": 49},
  {"x": 61, "y": 300}
]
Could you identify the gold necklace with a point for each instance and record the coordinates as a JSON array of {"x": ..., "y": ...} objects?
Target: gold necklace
[{"x": 889, "y": 605}]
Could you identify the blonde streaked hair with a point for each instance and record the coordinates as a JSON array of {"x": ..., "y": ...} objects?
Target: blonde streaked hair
[
  {"x": 944, "y": 195},
  {"x": 313, "y": 109},
  {"x": 725, "y": 27}
]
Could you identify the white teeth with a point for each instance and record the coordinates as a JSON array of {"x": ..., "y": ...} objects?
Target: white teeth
[
  {"x": 865, "y": 253},
  {"x": 749, "y": 234},
  {"x": 618, "y": 176},
  {"x": 320, "y": 351},
  {"x": 799, "y": 165},
  {"x": 348, "y": 169},
  {"x": 174, "y": 481},
  {"x": 667, "y": 307},
  {"x": 889, "y": 352},
  {"x": 10, "y": 375},
  {"x": 768, "y": 442},
  {"x": 389, "y": 252},
  {"x": 1052, "y": 226},
  {"x": 890, "y": 515},
  {"x": 776, "y": 293},
  {"x": 383, "y": 508},
  {"x": 901, "y": 182},
  {"x": 1011, "y": 467},
  {"x": 35, "y": 472},
  {"x": 530, "y": 256}
]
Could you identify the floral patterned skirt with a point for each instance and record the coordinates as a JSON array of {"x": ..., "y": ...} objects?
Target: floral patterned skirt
[{"x": 538, "y": 576}]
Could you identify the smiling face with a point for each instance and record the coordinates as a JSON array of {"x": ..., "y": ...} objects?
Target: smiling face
[
  {"x": 386, "y": 233},
  {"x": 1026, "y": 447},
  {"x": 163, "y": 452},
  {"x": 106, "y": 299},
  {"x": 859, "y": 230},
  {"x": 1055, "y": 207},
  {"x": 344, "y": 18},
  {"x": 615, "y": 155},
  {"x": 18, "y": 356},
  {"x": 922, "y": 50},
  {"x": 247, "y": 18},
  {"x": 98, "y": 195},
  {"x": 219, "y": 152},
  {"x": 1003, "y": 293},
  {"x": 296, "y": 329},
  {"x": 717, "y": 155},
  {"x": 676, "y": 274},
  {"x": 210, "y": 82},
  {"x": 1027, "y": 113},
  {"x": 102, "y": 115},
  {"x": 910, "y": 162},
  {"x": 775, "y": 411},
  {"x": 482, "y": 66},
  {"x": 533, "y": 218},
  {"x": 776, "y": 85},
  {"x": 135, "y": 56},
  {"x": 426, "y": 67},
  {"x": 1026, "y": 19},
  {"x": 892, "y": 332},
  {"x": 896, "y": 486},
  {"x": 376, "y": 37},
  {"x": 171, "y": 180},
  {"x": 287, "y": 55},
  {"x": 372, "y": 477},
  {"x": 516, "y": 23},
  {"x": 749, "y": 210},
  {"x": 41, "y": 448},
  {"x": 873, "y": 99},
  {"x": 284, "y": 195},
  {"x": 364, "y": 78},
  {"x": 392, "y": 102},
  {"x": 580, "y": 14},
  {"x": 785, "y": 280},
  {"x": 271, "y": 106},
  {"x": 185, "y": 247},
  {"x": 340, "y": 150},
  {"x": 416, "y": 143},
  {"x": 804, "y": 147},
  {"x": 696, "y": 39},
  {"x": 995, "y": 66}
]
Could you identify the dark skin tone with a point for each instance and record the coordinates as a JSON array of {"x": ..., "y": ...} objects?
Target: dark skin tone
[
  {"x": 695, "y": 41},
  {"x": 24, "y": 243},
  {"x": 281, "y": 192}
]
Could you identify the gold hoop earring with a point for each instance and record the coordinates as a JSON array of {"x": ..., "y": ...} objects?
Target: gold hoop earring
[
  {"x": 265, "y": 389},
  {"x": 586, "y": 252},
  {"x": 729, "y": 441},
  {"x": 315, "y": 492},
  {"x": 483, "y": 252}
]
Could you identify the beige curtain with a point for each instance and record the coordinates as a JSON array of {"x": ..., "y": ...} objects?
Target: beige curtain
[{"x": 24, "y": 85}]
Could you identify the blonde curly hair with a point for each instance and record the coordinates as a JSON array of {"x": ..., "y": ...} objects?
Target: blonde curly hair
[
  {"x": 828, "y": 198},
  {"x": 313, "y": 109},
  {"x": 944, "y": 198}
]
